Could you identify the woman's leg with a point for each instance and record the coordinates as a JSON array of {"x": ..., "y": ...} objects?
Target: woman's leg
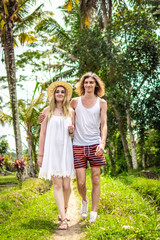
[
  {"x": 58, "y": 195},
  {"x": 66, "y": 191}
]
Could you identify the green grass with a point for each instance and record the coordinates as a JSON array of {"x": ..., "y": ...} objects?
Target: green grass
[
  {"x": 123, "y": 213},
  {"x": 30, "y": 213},
  {"x": 11, "y": 178},
  {"x": 148, "y": 188},
  {"x": 8, "y": 183}
]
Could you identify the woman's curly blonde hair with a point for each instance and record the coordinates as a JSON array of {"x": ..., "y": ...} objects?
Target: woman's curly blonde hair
[{"x": 99, "y": 89}]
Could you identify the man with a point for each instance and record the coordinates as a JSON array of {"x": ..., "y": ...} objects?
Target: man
[
  {"x": 89, "y": 137},
  {"x": 89, "y": 141}
]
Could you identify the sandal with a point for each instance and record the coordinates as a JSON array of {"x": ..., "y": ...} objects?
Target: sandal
[
  {"x": 63, "y": 225},
  {"x": 60, "y": 218}
]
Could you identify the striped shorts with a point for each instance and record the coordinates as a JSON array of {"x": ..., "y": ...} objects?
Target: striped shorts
[{"x": 83, "y": 154}]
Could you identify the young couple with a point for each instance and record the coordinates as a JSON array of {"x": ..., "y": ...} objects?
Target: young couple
[{"x": 85, "y": 119}]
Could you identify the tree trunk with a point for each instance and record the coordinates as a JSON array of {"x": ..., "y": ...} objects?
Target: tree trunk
[
  {"x": 143, "y": 157},
  {"x": 114, "y": 159},
  {"x": 110, "y": 8},
  {"x": 31, "y": 171},
  {"x": 104, "y": 10},
  {"x": 35, "y": 159},
  {"x": 133, "y": 148},
  {"x": 11, "y": 76},
  {"x": 123, "y": 137},
  {"x": 109, "y": 156}
]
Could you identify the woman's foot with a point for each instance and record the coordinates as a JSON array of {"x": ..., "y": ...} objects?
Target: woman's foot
[
  {"x": 59, "y": 217},
  {"x": 63, "y": 225},
  {"x": 66, "y": 209}
]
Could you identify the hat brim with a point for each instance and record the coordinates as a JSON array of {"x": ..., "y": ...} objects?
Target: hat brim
[{"x": 53, "y": 85}]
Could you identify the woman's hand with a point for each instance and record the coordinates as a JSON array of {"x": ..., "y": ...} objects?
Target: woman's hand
[
  {"x": 40, "y": 159},
  {"x": 71, "y": 130}
]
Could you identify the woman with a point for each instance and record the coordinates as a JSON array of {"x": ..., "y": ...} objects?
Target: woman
[{"x": 55, "y": 146}]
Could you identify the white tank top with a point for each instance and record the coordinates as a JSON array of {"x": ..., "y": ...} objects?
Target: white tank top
[{"x": 87, "y": 124}]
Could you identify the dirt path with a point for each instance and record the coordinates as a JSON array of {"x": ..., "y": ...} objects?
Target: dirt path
[{"x": 74, "y": 231}]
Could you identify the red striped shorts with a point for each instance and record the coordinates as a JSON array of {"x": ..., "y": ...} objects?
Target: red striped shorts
[{"x": 83, "y": 154}]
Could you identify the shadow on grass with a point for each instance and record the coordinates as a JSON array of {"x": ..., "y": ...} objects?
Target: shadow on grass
[
  {"x": 73, "y": 231},
  {"x": 40, "y": 224}
]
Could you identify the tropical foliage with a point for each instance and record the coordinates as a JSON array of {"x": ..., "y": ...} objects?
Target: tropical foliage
[{"x": 119, "y": 41}]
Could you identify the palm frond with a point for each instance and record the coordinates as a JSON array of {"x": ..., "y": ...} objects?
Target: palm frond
[
  {"x": 22, "y": 105},
  {"x": 26, "y": 38},
  {"x": 33, "y": 106},
  {"x": 5, "y": 118},
  {"x": 26, "y": 21},
  {"x": 70, "y": 73},
  {"x": 65, "y": 74},
  {"x": 64, "y": 54},
  {"x": 51, "y": 26}
]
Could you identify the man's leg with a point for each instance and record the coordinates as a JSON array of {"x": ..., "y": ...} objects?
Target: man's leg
[
  {"x": 95, "y": 178},
  {"x": 81, "y": 184}
]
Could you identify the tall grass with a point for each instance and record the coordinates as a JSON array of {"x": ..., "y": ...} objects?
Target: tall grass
[
  {"x": 30, "y": 213},
  {"x": 123, "y": 213},
  {"x": 148, "y": 188}
]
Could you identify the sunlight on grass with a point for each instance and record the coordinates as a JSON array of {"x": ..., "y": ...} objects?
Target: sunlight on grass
[
  {"x": 30, "y": 213},
  {"x": 123, "y": 213}
]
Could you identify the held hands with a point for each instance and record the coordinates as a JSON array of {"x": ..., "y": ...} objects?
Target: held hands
[
  {"x": 100, "y": 149},
  {"x": 71, "y": 130}
]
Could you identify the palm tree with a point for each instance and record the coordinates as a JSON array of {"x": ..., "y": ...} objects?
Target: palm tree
[{"x": 12, "y": 13}]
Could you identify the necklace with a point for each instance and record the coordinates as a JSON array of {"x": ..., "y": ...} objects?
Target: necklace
[{"x": 60, "y": 111}]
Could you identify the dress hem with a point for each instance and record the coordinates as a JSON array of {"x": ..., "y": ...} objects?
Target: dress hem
[{"x": 48, "y": 177}]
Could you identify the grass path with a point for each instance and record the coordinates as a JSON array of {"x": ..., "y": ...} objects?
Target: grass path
[
  {"x": 74, "y": 231},
  {"x": 123, "y": 213},
  {"x": 31, "y": 214}
]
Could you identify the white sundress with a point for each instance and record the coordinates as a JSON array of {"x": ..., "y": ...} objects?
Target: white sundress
[{"x": 58, "y": 151}]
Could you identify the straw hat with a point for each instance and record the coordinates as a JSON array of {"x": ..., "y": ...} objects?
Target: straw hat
[{"x": 64, "y": 84}]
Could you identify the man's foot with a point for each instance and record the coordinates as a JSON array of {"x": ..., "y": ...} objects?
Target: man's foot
[
  {"x": 84, "y": 209},
  {"x": 93, "y": 216}
]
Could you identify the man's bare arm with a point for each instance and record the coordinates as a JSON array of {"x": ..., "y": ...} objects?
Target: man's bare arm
[
  {"x": 103, "y": 122},
  {"x": 73, "y": 103},
  {"x": 43, "y": 114},
  {"x": 100, "y": 148}
]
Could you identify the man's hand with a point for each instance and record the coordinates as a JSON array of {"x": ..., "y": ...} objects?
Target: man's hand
[
  {"x": 99, "y": 150},
  {"x": 41, "y": 117},
  {"x": 71, "y": 130}
]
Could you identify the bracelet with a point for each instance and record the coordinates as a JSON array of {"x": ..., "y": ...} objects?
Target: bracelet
[
  {"x": 70, "y": 132},
  {"x": 40, "y": 155}
]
